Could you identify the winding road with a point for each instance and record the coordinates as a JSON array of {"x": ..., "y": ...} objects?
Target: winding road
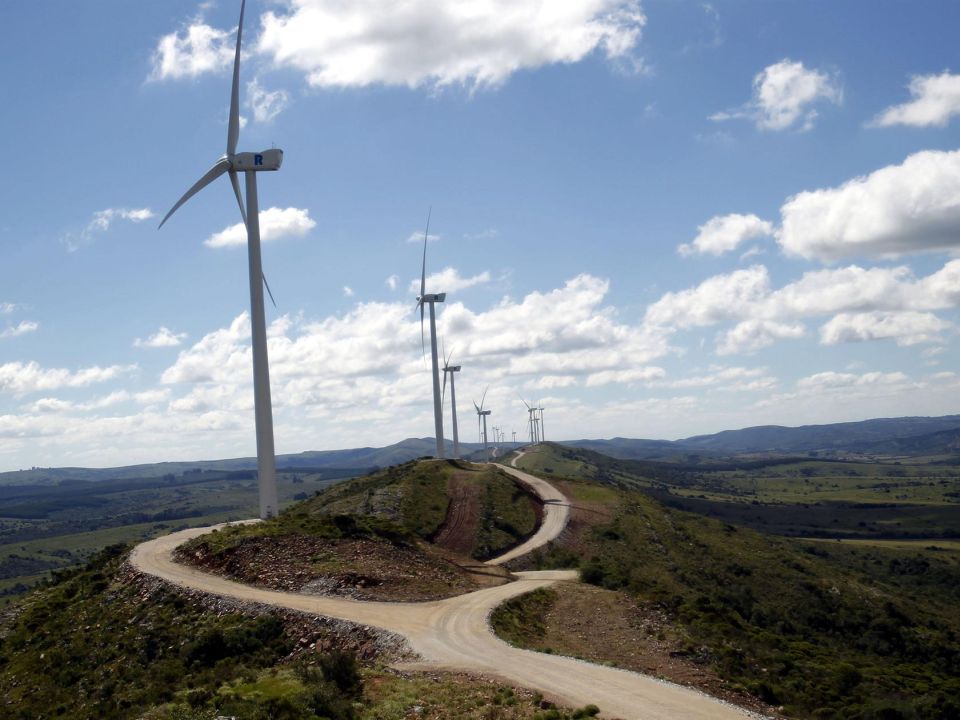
[{"x": 454, "y": 634}]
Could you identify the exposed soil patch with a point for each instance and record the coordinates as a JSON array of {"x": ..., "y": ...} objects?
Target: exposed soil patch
[
  {"x": 608, "y": 627},
  {"x": 359, "y": 568},
  {"x": 458, "y": 533}
]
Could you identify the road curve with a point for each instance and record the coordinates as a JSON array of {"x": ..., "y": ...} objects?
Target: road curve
[{"x": 454, "y": 634}]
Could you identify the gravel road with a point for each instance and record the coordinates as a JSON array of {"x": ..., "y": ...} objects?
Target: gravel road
[{"x": 455, "y": 634}]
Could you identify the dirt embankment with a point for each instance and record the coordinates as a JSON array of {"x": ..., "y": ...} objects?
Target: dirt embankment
[
  {"x": 357, "y": 568},
  {"x": 313, "y": 633}
]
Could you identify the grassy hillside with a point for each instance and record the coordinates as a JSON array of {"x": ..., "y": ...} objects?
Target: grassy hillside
[
  {"x": 827, "y": 630},
  {"x": 100, "y": 643},
  {"x": 417, "y": 495}
]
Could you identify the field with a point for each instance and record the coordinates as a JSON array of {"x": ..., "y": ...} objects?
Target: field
[{"x": 50, "y": 526}]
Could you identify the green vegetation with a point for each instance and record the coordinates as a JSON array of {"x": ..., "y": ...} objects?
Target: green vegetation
[
  {"x": 827, "y": 630},
  {"x": 783, "y": 496},
  {"x": 93, "y": 645},
  {"x": 519, "y": 620},
  {"x": 417, "y": 496}
]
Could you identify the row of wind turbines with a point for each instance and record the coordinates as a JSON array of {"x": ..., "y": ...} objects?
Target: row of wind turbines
[
  {"x": 232, "y": 163},
  {"x": 535, "y": 412}
]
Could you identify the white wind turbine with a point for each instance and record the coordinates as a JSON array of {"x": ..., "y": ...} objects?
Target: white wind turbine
[
  {"x": 451, "y": 369},
  {"x": 250, "y": 164},
  {"x": 532, "y": 420},
  {"x": 481, "y": 413},
  {"x": 424, "y": 299}
]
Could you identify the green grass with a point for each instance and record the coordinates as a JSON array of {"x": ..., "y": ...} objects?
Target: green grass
[{"x": 832, "y": 632}]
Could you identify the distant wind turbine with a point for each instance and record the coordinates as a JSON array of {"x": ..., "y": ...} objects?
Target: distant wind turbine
[
  {"x": 532, "y": 420},
  {"x": 543, "y": 435},
  {"x": 422, "y": 300},
  {"x": 451, "y": 369},
  {"x": 481, "y": 413},
  {"x": 250, "y": 164}
]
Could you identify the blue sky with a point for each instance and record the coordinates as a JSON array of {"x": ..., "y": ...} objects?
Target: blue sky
[{"x": 659, "y": 218}]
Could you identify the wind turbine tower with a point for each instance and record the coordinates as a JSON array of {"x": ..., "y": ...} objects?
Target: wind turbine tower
[
  {"x": 431, "y": 299},
  {"x": 481, "y": 413},
  {"x": 250, "y": 164},
  {"x": 543, "y": 435},
  {"x": 451, "y": 369}
]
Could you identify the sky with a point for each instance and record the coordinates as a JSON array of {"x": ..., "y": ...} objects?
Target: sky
[{"x": 656, "y": 218}]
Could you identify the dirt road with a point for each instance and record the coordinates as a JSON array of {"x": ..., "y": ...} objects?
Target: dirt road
[{"x": 454, "y": 633}]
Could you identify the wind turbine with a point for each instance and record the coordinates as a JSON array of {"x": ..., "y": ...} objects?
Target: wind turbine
[
  {"x": 451, "y": 369},
  {"x": 250, "y": 164},
  {"x": 481, "y": 413},
  {"x": 424, "y": 299},
  {"x": 543, "y": 435},
  {"x": 531, "y": 419}
]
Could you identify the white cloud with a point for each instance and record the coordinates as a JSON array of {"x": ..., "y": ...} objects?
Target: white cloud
[
  {"x": 197, "y": 50},
  {"x": 420, "y": 43},
  {"x": 754, "y": 334},
  {"x": 347, "y": 291},
  {"x": 275, "y": 224},
  {"x": 417, "y": 237},
  {"x": 906, "y": 328},
  {"x": 164, "y": 337},
  {"x": 715, "y": 299},
  {"x": 627, "y": 376},
  {"x": 449, "y": 280},
  {"x": 21, "y": 328},
  {"x": 391, "y": 282},
  {"x": 724, "y": 233},
  {"x": 21, "y": 378},
  {"x": 936, "y": 99},
  {"x": 6, "y": 308},
  {"x": 266, "y": 104},
  {"x": 831, "y": 380},
  {"x": 101, "y": 222},
  {"x": 908, "y": 208},
  {"x": 783, "y": 96}
]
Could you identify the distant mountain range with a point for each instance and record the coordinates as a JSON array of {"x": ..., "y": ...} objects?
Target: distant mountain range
[
  {"x": 906, "y": 436},
  {"x": 883, "y": 436}
]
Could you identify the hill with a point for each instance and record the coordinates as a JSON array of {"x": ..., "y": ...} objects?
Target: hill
[
  {"x": 827, "y": 630},
  {"x": 878, "y": 436}
]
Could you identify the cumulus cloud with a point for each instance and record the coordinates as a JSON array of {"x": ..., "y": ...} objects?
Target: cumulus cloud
[
  {"x": 101, "y": 222},
  {"x": 869, "y": 298},
  {"x": 391, "y": 282},
  {"x": 754, "y": 334},
  {"x": 906, "y": 328},
  {"x": 194, "y": 51},
  {"x": 21, "y": 328},
  {"x": 19, "y": 378},
  {"x": 275, "y": 224},
  {"x": 164, "y": 337},
  {"x": 913, "y": 207},
  {"x": 783, "y": 96},
  {"x": 420, "y": 43},
  {"x": 266, "y": 104},
  {"x": 724, "y": 233},
  {"x": 936, "y": 99},
  {"x": 449, "y": 280}
]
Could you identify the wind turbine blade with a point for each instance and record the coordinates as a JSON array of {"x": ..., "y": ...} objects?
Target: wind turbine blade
[
  {"x": 233, "y": 128},
  {"x": 484, "y": 396},
  {"x": 423, "y": 269},
  {"x": 212, "y": 174},
  {"x": 525, "y": 403},
  {"x": 423, "y": 340},
  {"x": 443, "y": 393},
  {"x": 236, "y": 191},
  {"x": 267, "y": 286}
]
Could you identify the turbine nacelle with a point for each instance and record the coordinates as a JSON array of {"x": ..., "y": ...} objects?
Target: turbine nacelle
[
  {"x": 451, "y": 368},
  {"x": 264, "y": 160},
  {"x": 431, "y": 297}
]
